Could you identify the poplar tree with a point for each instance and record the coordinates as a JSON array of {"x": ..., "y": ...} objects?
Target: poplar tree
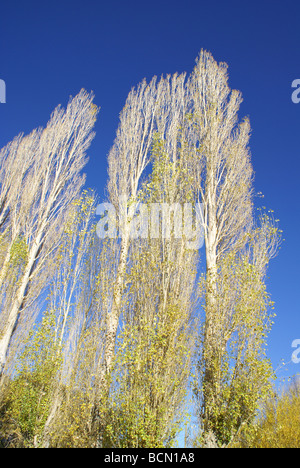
[
  {"x": 33, "y": 210},
  {"x": 222, "y": 177},
  {"x": 127, "y": 161},
  {"x": 155, "y": 346}
]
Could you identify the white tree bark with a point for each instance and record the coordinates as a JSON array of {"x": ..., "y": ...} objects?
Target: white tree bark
[
  {"x": 222, "y": 178},
  {"x": 36, "y": 206},
  {"x": 128, "y": 160}
]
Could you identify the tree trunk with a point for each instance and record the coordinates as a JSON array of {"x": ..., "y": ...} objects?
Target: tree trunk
[
  {"x": 111, "y": 335},
  {"x": 210, "y": 345},
  {"x": 16, "y": 308}
]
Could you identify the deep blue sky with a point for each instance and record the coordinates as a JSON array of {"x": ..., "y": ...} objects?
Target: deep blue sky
[{"x": 51, "y": 49}]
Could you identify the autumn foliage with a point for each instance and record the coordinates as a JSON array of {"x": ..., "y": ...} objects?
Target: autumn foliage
[{"x": 120, "y": 340}]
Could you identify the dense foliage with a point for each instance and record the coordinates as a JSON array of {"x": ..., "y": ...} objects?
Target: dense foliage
[{"x": 115, "y": 335}]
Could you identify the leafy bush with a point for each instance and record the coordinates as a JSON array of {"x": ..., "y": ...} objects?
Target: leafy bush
[{"x": 279, "y": 426}]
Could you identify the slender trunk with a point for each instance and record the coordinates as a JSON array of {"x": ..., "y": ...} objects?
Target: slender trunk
[
  {"x": 5, "y": 265},
  {"x": 10, "y": 325},
  {"x": 54, "y": 408},
  {"x": 210, "y": 346},
  {"x": 113, "y": 316},
  {"x": 111, "y": 335},
  {"x": 9, "y": 328}
]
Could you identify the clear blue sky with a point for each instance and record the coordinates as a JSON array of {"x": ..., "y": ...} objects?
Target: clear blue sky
[{"x": 51, "y": 49}]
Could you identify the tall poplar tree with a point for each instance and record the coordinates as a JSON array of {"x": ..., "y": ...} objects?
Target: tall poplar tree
[
  {"x": 222, "y": 177},
  {"x": 33, "y": 211}
]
